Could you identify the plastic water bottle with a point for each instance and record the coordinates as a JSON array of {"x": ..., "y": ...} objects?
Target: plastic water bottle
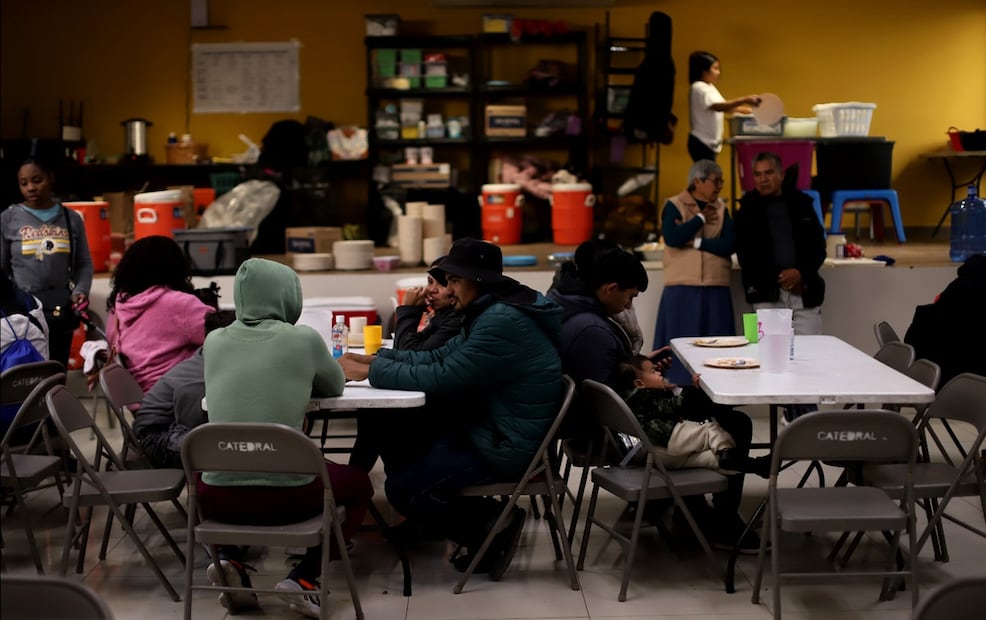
[
  {"x": 968, "y": 234},
  {"x": 340, "y": 336}
]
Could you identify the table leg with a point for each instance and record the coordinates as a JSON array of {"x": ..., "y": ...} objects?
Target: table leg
[{"x": 734, "y": 552}]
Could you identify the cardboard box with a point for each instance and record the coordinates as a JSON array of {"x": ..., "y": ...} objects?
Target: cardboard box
[
  {"x": 421, "y": 175},
  {"x": 311, "y": 239},
  {"x": 120, "y": 211},
  {"x": 506, "y": 121}
]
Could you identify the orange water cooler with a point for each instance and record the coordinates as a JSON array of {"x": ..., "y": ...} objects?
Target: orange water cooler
[
  {"x": 501, "y": 204},
  {"x": 96, "y": 217},
  {"x": 572, "y": 212},
  {"x": 158, "y": 213}
]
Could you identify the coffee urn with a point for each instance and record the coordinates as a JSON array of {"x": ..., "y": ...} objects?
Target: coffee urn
[{"x": 135, "y": 148}]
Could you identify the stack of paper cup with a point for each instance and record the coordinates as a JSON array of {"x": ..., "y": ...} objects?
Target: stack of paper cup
[
  {"x": 356, "y": 325},
  {"x": 409, "y": 240},
  {"x": 433, "y": 221},
  {"x": 434, "y": 247},
  {"x": 415, "y": 209}
]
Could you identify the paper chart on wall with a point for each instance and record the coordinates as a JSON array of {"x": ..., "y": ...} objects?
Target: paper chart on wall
[{"x": 245, "y": 77}]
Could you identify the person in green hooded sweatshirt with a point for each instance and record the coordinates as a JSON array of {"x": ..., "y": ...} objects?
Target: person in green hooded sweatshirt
[
  {"x": 264, "y": 368},
  {"x": 496, "y": 387}
]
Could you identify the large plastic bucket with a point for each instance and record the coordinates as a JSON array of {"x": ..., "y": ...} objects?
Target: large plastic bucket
[
  {"x": 572, "y": 212},
  {"x": 501, "y": 206},
  {"x": 158, "y": 213},
  {"x": 97, "y": 220}
]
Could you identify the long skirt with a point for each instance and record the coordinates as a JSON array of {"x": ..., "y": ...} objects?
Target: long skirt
[{"x": 692, "y": 311}]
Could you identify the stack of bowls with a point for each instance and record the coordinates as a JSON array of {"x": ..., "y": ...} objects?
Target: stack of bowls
[
  {"x": 312, "y": 262},
  {"x": 353, "y": 255}
]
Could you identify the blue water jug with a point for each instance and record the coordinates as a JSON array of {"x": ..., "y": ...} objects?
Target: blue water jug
[{"x": 968, "y": 227}]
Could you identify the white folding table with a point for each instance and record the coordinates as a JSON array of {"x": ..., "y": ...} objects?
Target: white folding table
[{"x": 824, "y": 371}]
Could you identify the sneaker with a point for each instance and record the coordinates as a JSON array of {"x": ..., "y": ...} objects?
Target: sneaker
[
  {"x": 235, "y": 573},
  {"x": 307, "y": 605}
]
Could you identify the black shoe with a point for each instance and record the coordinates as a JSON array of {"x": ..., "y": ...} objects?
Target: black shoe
[
  {"x": 723, "y": 536},
  {"x": 729, "y": 461},
  {"x": 505, "y": 544}
]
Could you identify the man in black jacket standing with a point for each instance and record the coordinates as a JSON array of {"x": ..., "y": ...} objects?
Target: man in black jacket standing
[{"x": 781, "y": 246}]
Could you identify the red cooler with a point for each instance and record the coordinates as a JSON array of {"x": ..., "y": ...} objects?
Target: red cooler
[
  {"x": 96, "y": 217},
  {"x": 501, "y": 205},
  {"x": 158, "y": 213},
  {"x": 572, "y": 212}
]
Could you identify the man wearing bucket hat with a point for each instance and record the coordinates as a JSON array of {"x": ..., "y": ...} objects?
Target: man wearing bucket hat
[{"x": 505, "y": 367}]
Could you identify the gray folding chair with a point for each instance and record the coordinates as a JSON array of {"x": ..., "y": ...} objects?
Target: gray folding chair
[
  {"x": 896, "y": 354},
  {"x": 963, "y": 399},
  {"x": 51, "y": 598},
  {"x": 863, "y": 435},
  {"x": 123, "y": 392},
  {"x": 884, "y": 333},
  {"x": 540, "y": 479},
  {"x": 638, "y": 485},
  {"x": 961, "y": 599},
  {"x": 114, "y": 488},
  {"x": 22, "y": 469},
  {"x": 207, "y": 449}
]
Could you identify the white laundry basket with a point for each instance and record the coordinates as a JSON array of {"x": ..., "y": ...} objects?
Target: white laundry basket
[{"x": 844, "y": 119}]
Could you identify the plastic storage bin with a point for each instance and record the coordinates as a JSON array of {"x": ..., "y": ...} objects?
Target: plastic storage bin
[
  {"x": 844, "y": 119},
  {"x": 853, "y": 163}
]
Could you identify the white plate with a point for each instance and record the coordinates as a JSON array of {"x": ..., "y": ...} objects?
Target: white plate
[
  {"x": 770, "y": 110},
  {"x": 733, "y": 362},
  {"x": 721, "y": 341}
]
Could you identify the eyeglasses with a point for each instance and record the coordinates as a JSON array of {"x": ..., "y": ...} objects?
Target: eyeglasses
[{"x": 715, "y": 180}]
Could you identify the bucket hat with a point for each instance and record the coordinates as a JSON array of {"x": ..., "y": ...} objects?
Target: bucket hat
[{"x": 473, "y": 259}]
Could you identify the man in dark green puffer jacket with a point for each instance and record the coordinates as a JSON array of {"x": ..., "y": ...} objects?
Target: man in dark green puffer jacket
[{"x": 503, "y": 373}]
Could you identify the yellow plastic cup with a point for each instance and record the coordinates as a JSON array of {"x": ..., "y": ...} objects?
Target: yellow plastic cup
[{"x": 372, "y": 339}]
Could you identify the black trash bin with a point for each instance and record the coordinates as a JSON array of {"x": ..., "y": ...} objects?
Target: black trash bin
[{"x": 852, "y": 163}]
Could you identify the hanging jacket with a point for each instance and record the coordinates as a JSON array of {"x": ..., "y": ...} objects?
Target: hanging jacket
[{"x": 648, "y": 114}]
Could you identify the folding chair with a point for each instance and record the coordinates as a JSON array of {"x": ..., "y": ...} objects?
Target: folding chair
[
  {"x": 213, "y": 447},
  {"x": 112, "y": 488},
  {"x": 963, "y": 399},
  {"x": 874, "y": 435},
  {"x": 896, "y": 354},
  {"x": 541, "y": 478},
  {"x": 22, "y": 470},
  {"x": 884, "y": 333},
  {"x": 640, "y": 484},
  {"x": 585, "y": 457},
  {"x": 52, "y": 598},
  {"x": 961, "y": 599},
  {"x": 123, "y": 392}
]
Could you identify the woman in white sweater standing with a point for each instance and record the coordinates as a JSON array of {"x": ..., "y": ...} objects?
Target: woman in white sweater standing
[{"x": 707, "y": 106}]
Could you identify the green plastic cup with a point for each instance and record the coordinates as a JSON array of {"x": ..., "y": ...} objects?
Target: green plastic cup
[{"x": 750, "y": 326}]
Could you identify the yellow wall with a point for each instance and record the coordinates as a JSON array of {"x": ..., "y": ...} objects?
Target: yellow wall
[{"x": 923, "y": 63}]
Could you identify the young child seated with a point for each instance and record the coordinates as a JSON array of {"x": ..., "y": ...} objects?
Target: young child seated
[{"x": 681, "y": 420}]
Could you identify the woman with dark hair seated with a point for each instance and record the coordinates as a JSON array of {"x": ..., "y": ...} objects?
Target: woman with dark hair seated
[{"x": 155, "y": 319}]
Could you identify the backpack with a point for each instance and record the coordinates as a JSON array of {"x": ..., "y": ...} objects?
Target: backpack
[{"x": 20, "y": 351}]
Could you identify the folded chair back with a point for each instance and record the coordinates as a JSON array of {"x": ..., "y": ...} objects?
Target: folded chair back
[
  {"x": 896, "y": 354},
  {"x": 869, "y": 435}
]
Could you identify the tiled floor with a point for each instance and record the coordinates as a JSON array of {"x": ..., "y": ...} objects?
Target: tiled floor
[{"x": 664, "y": 584}]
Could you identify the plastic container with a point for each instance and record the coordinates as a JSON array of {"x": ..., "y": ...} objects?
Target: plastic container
[
  {"x": 501, "y": 212},
  {"x": 852, "y": 163},
  {"x": 844, "y": 119},
  {"x": 572, "y": 212},
  {"x": 801, "y": 128},
  {"x": 97, "y": 221},
  {"x": 215, "y": 251},
  {"x": 158, "y": 213},
  {"x": 968, "y": 227}
]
